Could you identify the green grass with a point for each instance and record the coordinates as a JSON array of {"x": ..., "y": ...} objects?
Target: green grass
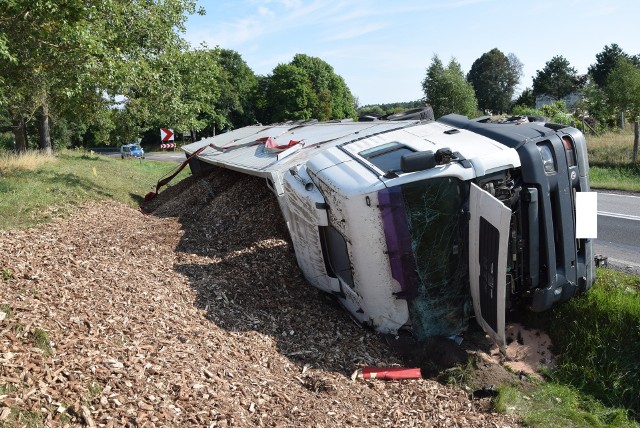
[
  {"x": 41, "y": 340},
  {"x": 43, "y": 190},
  {"x": 615, "y": 177},
  {"x": 551, "y": 405},
  {"x": 610, "y": 158},
  {"x": 23, "y": 419},
  {"x": 6, "y": 274},
  {"x": 597, "y": 338},
  {"x": 7, "y": 309}
]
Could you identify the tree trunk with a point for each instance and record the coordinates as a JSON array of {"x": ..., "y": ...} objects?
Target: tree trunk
[
  {"x": 193, "y": 135},
  {"x": 19, "y": 129},
  {"x": 44, "y": 141},
  {"x": 636, "y": 133}
]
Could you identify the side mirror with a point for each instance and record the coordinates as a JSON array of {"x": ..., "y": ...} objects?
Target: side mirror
[{"x": 417, "y": 161}]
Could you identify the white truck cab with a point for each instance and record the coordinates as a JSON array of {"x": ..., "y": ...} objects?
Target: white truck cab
[{"x": 415, "y": 224}]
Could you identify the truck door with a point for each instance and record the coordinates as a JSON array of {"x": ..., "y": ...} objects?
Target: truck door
[{"x": 488, "y": 245}]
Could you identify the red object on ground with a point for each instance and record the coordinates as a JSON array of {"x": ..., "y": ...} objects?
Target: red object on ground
[{"x": 391, "y": 373}]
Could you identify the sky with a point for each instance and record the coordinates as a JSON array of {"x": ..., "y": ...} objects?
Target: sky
[{"x": 382, "y": 48}]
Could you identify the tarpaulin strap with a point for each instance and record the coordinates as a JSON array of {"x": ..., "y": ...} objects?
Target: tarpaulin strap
[
  {"x": 270, "y": 146},
  {"x": 164, "y": 181}
]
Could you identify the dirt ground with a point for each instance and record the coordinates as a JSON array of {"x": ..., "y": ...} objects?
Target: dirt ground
[{"x": 195, "y": 314}]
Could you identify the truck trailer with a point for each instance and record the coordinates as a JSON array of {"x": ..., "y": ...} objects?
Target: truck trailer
[{"x": 416, "y": 224}]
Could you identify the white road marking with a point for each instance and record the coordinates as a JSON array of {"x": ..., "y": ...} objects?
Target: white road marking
[
  {"x": 617, "y": 194},
  {"x": 624, "y": 216}
]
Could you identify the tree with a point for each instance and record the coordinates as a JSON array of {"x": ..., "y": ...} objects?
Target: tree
[
  {"x": 447, "y": 90},
  {"x": 334, "y": 99},
  {"x": 526, "y": 99},
  {"x": 61, "y": 50},
  {"x": 290, "y": 95},
  {"x": 623, "y": 87},
  {"x": 557, "y": 79},
  {"x": 305, "y": 88},
  {"x": 237, "y": 84},
  {"x": 494, "y": 77},
  {"x": 623, "y": 90},
  {"x": 606, "y": 61}
]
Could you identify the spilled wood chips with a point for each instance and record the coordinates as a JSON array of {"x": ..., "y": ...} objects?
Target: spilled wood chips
[{"x": 192, "y": 315}]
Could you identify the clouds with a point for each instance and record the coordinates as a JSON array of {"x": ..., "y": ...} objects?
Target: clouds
[{"x": 382, "y": 48}]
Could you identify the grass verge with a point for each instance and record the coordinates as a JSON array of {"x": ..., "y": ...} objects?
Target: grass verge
[
  {"x": 597, "y": 338},
  {"x": 610, "y": 156},
  {"x": 11, "y": 163},
  {"x": 34, "y": 190},
  {"x": 551, "y": 405},
  {"x": 615, "y": 177}
]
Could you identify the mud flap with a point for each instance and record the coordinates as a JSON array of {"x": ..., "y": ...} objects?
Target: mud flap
[{"x": 488, "y": 245}]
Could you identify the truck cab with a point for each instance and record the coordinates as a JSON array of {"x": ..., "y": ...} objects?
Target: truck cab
[{"x": 417, "y": 224}]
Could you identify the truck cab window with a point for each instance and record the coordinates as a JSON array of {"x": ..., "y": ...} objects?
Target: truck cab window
[{"x": 387, "y": 156}]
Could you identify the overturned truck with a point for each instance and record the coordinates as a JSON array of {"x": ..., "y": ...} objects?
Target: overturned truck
[{"x": 413, "y": 224}]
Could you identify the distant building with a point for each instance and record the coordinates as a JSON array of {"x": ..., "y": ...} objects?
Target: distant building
[{"x": 570, "y": 100}]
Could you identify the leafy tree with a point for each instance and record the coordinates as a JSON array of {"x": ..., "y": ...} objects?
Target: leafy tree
[
  {"x": 305, "y": 88},
  {"x": 237, "y": 84},
  {"x": 446, "y": 89},
  {"x": 494, "y": 77},
  {"x": 375, "y": 110},
  {"x": 623, "y": 90},
  {"x": 623, "y": 87},
  {"x": 183, "y": 97},
  {"x": 526, "y": 99},
  {"x": 595, "y": 104},
  {"x": 606, "y": 61},
  {"x": 61, "y": 51},
  {"x": 290, "y": 95},
  {"x": 333, "y": 98},
  {"x": 557, "y": 79}
]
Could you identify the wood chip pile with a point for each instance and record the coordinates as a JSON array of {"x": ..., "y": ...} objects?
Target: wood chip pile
[{"x": 194, "y": 315}]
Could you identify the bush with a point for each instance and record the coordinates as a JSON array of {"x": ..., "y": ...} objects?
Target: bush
[
  {"x": 522, "y": 110},
  {"x": 556, "y": 112},
  {"x": 6, "y": 141}
]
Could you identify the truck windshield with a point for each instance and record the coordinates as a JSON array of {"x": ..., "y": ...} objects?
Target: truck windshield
[{"x": 426, "y": 238}]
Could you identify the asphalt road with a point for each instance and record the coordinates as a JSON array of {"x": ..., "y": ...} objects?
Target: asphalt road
[
  {"x": 619, "y": 230},
  {"x": 167, "y": 156}
]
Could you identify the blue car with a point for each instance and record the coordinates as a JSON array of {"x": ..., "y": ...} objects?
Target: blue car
[{"x": 131, "y": 150}]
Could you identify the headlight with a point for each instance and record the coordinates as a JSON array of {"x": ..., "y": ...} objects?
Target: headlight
[{"x": 548, "y": 161}]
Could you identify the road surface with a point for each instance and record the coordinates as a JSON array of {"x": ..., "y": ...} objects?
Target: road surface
[
  {"x": 167, "y": 156},
  {"x": 619, "y": 230}
]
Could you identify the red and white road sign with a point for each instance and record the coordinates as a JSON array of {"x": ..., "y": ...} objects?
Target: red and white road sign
[
  {"x": 166, "y": 134},
  {"x": 168, "y": 146}
]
